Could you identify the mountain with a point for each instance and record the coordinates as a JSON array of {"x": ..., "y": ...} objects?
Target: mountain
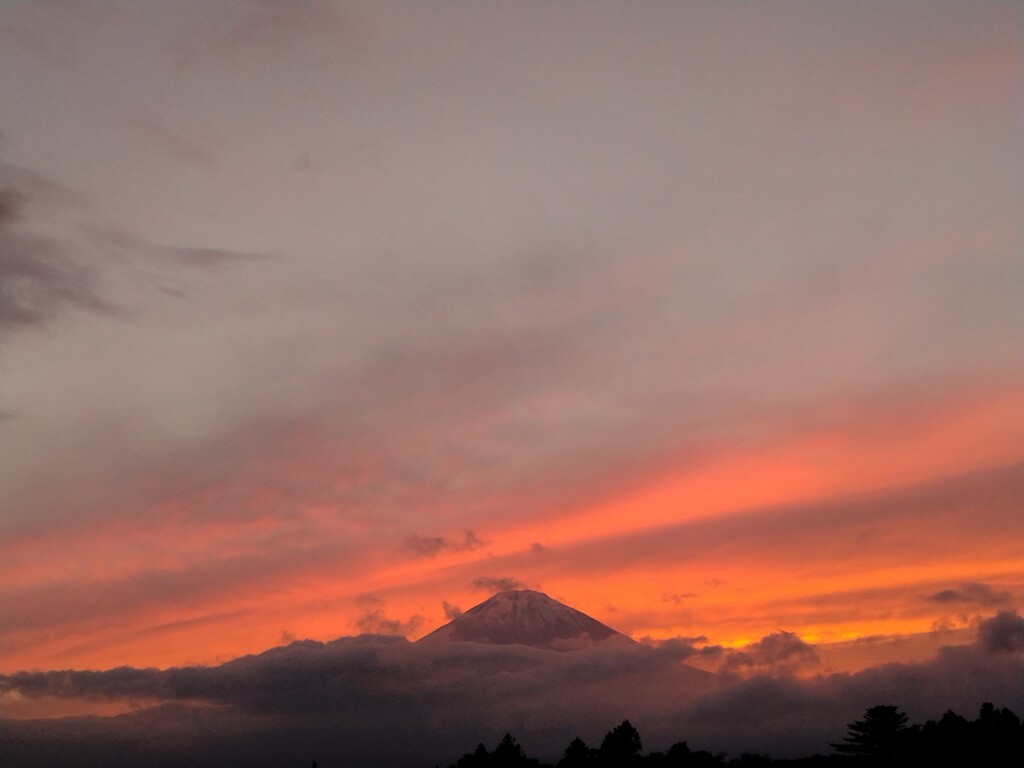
[{"x": 525, "y": 617}]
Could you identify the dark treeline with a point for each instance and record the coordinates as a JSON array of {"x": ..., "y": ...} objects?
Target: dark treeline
[{"x": 882, "y": 737}]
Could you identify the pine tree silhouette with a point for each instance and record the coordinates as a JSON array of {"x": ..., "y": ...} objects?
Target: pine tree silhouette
[{"x": 879, "y": 736}]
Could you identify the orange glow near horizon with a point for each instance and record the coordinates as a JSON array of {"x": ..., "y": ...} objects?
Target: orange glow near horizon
[{"x": 731, "y": 599}]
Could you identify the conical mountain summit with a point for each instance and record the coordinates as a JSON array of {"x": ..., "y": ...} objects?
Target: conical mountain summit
[{"x": 525, "y": 617}]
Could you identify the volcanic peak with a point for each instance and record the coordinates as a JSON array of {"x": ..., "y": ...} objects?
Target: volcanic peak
[{"x": 524, "y": 617}]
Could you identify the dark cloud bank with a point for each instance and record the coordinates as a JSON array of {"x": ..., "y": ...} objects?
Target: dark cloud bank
[
  {"x": 37, "y": 280},
  {"x": 377, "y": 700},
  {"x": 42, "y": 277}
]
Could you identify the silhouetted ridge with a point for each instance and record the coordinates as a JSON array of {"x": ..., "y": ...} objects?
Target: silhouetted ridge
[{"x": 524, "y": 617}]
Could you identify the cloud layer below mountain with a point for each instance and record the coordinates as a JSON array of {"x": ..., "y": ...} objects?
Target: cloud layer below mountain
[{"x": 380, "y": 701}]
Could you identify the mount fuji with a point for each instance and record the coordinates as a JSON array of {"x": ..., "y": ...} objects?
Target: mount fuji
[{"x": 525, "y": 617}]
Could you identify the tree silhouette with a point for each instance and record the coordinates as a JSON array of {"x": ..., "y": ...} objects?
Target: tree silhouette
[
  {"x": 879, "y": 736},
  {"x": 509, "y": 754},
  {"x": 998, "y": 737},
  {"x": 478, "y": 758},
  {"x": 678, "y": 753},
  {"x": 577, "y": 755},
  {"x": 621, "y": 745}
]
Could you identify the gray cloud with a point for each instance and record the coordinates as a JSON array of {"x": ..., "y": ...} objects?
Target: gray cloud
[
  {"x": 37, "y": 280},
  {"x": 778, "y": 653},
  {"x": 201, "y": 258},
  {"x": 975, "y": 593},
  {"x": 355, "y": 693},
  {"x": 682, "y": 648},
  {"x": 208, "y": 257},
  {"x": 427, "y": 545},
  {"x": 263, "y": 28},
  {"x": 677, "y": 598},
  {"x": 40, "y": 189},
  {"x": 785, "y": 715},
  {"x": 41, "y": 277},
  {"x": 122, "y": 682},
  {"x": 374, "y": 621},
  {"x": 11, "y": 203},
  {"x": 450, "y": 611},
  {"x": 1003, "y": 633},
  {"x": 170, "y": 142},
  {"x": 497, "y": 583},
  {"x": 432, "y": 545}
]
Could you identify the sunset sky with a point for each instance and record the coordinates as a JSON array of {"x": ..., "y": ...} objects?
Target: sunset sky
[{"x": 328, "y": 318}]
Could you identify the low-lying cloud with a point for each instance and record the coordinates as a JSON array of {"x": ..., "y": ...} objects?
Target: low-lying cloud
[
  {"x": 1003, "y": 633},
  {"x": 450, "y": 611},
  {"x": 385, "y": 701},
  {"x": 374, "y": 621},
  {"x": 780, "y": 653}
]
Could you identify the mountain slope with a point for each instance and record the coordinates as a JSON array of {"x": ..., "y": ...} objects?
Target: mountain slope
[{"x": 524, "y": 617}]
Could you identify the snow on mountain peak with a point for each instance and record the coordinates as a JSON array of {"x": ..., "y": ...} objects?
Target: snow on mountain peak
[{"x": 524, "y": 617}]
